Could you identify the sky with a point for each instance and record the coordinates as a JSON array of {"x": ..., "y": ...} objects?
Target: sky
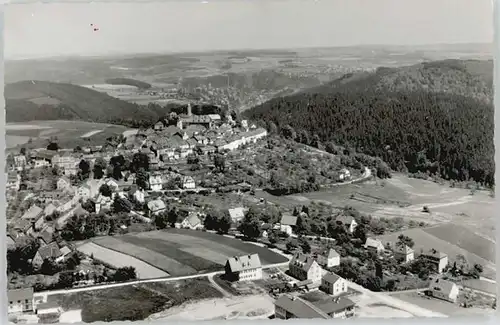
[{"x": 40, "y": 30}]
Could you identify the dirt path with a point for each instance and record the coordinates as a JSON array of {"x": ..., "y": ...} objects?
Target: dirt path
[{"x": 218, "y": 287}]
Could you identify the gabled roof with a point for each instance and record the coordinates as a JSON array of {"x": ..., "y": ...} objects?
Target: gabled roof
[
  {"x": 49, "y": 251},
  {"x": 375, "y": 243},
  {"x": 171, "y": 130},
  {"x": 47, "y": 234},
  {"x": 444, "y": 286},
  {"x": 300, "y": 308},
  {"x": 288, "y": 220},
  {"x": 435, "y": 254},
  {"x": 33, "y": 213},
  {"x": 245, "y": 262},
  {"x": 193, "y": 219},
  {"x": 303, "y": 261},
  {"x": 334, "y": 305},
  {"x": 49, "y": 209},
  {"x": 155, "y": 205},
  {"x": 331, "y": 277},
  {"x": 65, "y": 179},
  {"x": 330, "y": 253}
]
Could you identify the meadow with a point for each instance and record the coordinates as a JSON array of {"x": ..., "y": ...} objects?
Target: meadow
[{"x": 184, "y": 252}]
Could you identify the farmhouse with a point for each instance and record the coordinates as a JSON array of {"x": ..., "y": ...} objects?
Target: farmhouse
[
  {"x": 48, "y": 312},
  {"x": 374, "y": 245},
  {"x": 348, "y": 221},
  {"x": 287, "y": 307},
  {"x": 304, "y": 267},
  {"x": 243, "y": 268},
  {"x": 50, "y": 251},
  {"x": 438, "y": 259},
  {"x": 328, "y": 258},
  {"x": 188, "y": 182},
  {"x": 333, "y": 284},
  {"x": 444, "y": 289},
  {"x": 20, "y": 300},
  {"x": 404, "y": 253},
  {"x": 287, "y": 223}
]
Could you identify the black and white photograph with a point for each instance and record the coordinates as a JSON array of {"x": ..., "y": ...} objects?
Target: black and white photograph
[{"x": 216, "y": 160}]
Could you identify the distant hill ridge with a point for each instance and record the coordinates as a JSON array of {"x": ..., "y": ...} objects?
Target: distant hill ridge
[{"x": 433, "y": 117}]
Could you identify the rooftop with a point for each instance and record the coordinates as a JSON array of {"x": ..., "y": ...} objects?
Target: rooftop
[{"x": 245, "y": 262}]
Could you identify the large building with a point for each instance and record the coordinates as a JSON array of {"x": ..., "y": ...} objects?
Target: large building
[
  {"x": 333, "y": 284},
  {"x": 328, "y": 258},
  {"x": 20, "y": 300},
  {"x": 304, "y": 267},
  {"x": 287, "y": 307},
  {"x": 243, "y": 268},
  {"x": 438, "y": 259}
]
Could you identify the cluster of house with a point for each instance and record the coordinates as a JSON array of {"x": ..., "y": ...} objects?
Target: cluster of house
[
  {"x": 25, "y": 301},
  {"x": 203, "y": 134},
  {"x": 310, "y": 274}
]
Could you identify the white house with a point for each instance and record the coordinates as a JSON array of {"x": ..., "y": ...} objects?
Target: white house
[
  {"x": 50, "y": 251},
  {"x": 287, "y": 223},
  {"x": 139, "y": 195},
  {"x": 237, "y": 214},
  {"x": 305, "y": 267},
  {"x": 374, "y": 245},
  {"x": 438, "y": 259},
  {"x": 404, "y": 253},
  {"x": 444, "y": 289},
  {"x": 188, "y": 183},
  {"x": 243, "y": 268},
  {"x": 344, "y": 175},
  {"x": 155, "y": 182},
  {"x": 20, "y": 300},
  {"x": 328, "y": 258},
  {"x": 333, "y": 284}
]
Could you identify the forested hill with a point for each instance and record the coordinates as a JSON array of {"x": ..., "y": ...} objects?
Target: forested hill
[{"x": 443, "y": 126}]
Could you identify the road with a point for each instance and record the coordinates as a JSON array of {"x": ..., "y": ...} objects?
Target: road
[{"x": 44, "y": 294}]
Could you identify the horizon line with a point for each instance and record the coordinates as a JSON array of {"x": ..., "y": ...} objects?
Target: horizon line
[{"x": 290, "y": 49}]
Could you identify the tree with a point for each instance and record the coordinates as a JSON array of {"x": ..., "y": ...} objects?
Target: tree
[
  {"x": 106, "y": 190},
  {"x": 124, "y": 274},
  {"x": 161, "y": 221},
  {"x": 53, "y": 146},
  {"x": 304, "y": 244},
  {"x": 84, "y": 167},
  {"x": 141, "y": 179},
  {"x": 360, "y": 233},
  {"x": 117, "y": 172},
  {"x": 48, "y": 267},
  {"x": 220, "y": 162},
  {"x": 121, "y": 205},
  {"x": 250, "y": 225},
  {"x": 292, "y": 245},
  {"x": 139, "y": 161},
  {"x": 405, "y": 240},
  {"x": 173, "y": 216},
  {"x": 99, "y": 167}
]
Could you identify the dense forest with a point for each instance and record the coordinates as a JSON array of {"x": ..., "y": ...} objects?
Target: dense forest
[{"x": 439, "y": 132}]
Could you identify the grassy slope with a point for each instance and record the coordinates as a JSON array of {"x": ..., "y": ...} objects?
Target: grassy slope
[{"x": 76, "y": 103}]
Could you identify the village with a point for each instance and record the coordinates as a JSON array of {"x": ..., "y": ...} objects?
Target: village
[{"x": 60, "y": 199}]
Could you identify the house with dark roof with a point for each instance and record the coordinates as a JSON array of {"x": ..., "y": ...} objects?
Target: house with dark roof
[
  {"x": 438, "y": 259},
  {"x": 287, "y": 224},
  {"x": 348, "y": 221},
  {"x": 50, "y": 251},
  {"x": 444, "y": 289},
  {"x": 20, "y": 300},
  {"x": 289, "y": 307},
  {"x": 243, "y": 268},
  {"x": 304, "y": 267},
  {"x": 46, "y": 236},
  {"x": 333, "y": 284},
  {"x": 328, "y": 258}
]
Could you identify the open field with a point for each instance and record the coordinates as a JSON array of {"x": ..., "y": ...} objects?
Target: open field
[
  {"x": 68, "y": 133},
  {"x": 134, "y": 302},
  {"x": 116, "y": 259},
  {"x": 245, "y": 307},
  {"x": 466, "y": 239},
  {"x": 184, "y": 252},
  {"x": 160, "y": 261},
  {"x": 425, "y": 242},
  {"x": 441, "y": 306},
  {"x": 481, "y": 285}
]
